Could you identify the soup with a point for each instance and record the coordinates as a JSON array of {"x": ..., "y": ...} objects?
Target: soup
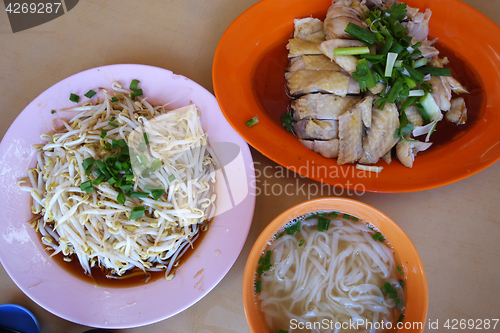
[{"x": 329, "y": 272}]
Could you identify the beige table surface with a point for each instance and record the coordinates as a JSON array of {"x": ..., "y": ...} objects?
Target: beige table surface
[{"x": 456, "y": 228}]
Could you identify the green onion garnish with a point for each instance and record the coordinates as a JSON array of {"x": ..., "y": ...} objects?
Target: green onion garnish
[
  {"x": 399, "y": 270},
  {"x": 363, "y": 35},
  {"x": 134, "y": 84},
  {"x": 155, "y": 165},
  {"x": 420, "y": 62},
  {"x": 293, "y": 229},
  {"x": 156, "y": 194},
  {"x": 99, "y": 180},
  {"x": 171, "y": 178},
  {"x": 391, "y": 59},
  {"x": 87, "y": 186},
  {"x": 401, "y": 317},
  {"x": 137, "y": 212},
  {"x": 351, "y": 51},
  {"x": 378, "y": 237},
  {"x": 74, "y": 98},
  {"x": 258, "y": 286},
  {"x": 53, "y": 111},
  {"x": 252, "y": 121},
  {"x": 113, "y": 124},
  {"x": 120, "y": 198},
  {"x": 107, "y": 146},
  {"x": 146, "y": 139},
  {"x": 434, "y": 71},
  {"x": 323, "y": 223},
  {"x": 417, "y": 93},
  {"x": 90, "y": 93},
  {"x": 103, "y": 133},
  {"x": 88, "y": 163},
  {"x": 114, "y": 99},
  {"x": 139, "y": 195},
  {"x": 302, "y": 241},
  {"x": 387, "y": 289}
]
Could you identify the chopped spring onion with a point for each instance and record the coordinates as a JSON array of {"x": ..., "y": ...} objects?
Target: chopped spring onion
[
  {"x": 90, "y": 93},
  {"x": 391, "y": 59},
  {"x": 53, "y": 111},
  {"x": 139, "y": 195},
  {"x": 157, "y": 194},
  {"x": 418, "y": 93},
  {"x": 113, "y": 124},
  {"x": 388, "y": 289},
  {"x": 435, "y": 71},
  {"x": 370, "y": 168},
  {"x": 363, "y": 35},
  {"x": 351, "y": 51},
  {"x": 428, "y": 108},
  {"x": 323, "y": 223},
  {"x": 114, "y": 99},
  {"x": 401, "y": 317},
  {"x": 252, "y": 121},
  {"x": 293, "y": 229},
  {"x": 258, "y": 286},
  {"x": 378, "y": 237},
  {"x": 171, "y": 178},
  {"x": 302, "y": 241},
  {"x": 134, "y": 84},
  {"x": 420, "y": 62},
  {"x": 74, "y": 98},
  {"x": 87, "y": 186},
  {"x": 137, "y": 212},
  {"x": 399, "y": 270},
  {"x": 120, "y": 198}
]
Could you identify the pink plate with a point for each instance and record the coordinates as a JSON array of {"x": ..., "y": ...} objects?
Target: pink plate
[{"x": 59, "y": 292}]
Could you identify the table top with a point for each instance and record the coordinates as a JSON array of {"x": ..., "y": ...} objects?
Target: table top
[{"x": 455, "y": 228}]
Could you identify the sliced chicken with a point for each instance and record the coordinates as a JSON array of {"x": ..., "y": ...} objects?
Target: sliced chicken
[
  {"x": 335, "y": 27},
  {"x": 414, "y": 117},
  {"x": 310, "y": 29},
  {"x": 456, "y": 87},
  {"x": 379, "y": 87},
  {"x": 379, "y": 138},
  {"x": 313, "y": 62},
  {"x": 406, "y": 151},
  {"x": 418, "y": 25},
  {"x": 322, "y": 106},
  {"x": 342, "y": 11},
  {"x": 441, "y": 93},
  {"x": 306, "y": 81},
  {"x": 387, "y": 158},
  {"x": 351, "y": 133},
  {"x": 328, "y": 149},
  {"x": 314, "y": 129},
  {"x": 458, "y": 111},
  {"x": 297, "y": 47},
  {"x": 366, "y": 106}
]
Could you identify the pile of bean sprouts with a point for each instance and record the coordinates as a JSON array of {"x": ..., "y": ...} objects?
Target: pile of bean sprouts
[{"x": 94, "y": 227}]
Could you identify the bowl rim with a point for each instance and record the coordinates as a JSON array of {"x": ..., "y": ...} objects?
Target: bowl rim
[{"x": 415, "y": 277}]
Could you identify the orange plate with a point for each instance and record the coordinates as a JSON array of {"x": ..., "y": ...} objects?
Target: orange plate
[
  {"x": 416, "y": 293},
  {"x": 266, "y": 25}
]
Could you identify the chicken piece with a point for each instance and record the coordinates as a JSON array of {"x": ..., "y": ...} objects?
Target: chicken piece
[
  {"x": 313, "y": 62},
  {"x": 458, "y": 111},
  {"x": 322, "y": 106},
  {"x": 310, "y": 29},
  {"x": 456, "y": 87},
  {"x": 441, "y": 92},
  {"x": 313, "y": 129},
  {"x": 297, "y": 47},
  {"x": 379, "y": 87},
  {"x": 379, "y": 138},
  {"x": 348, "y": 63},
  {"x": 351, "y": 133},
  {"x": 366, "y": 106},
  {"x": 342, "y": 11},
  {"x": 328, "y": 149},
  {"x": 414, "y": 117},
  {"x": 387, "y": 158},
  {"x": 335, "y": 27},
  {"x": 407, "y": 150},
  {"x": 418, "y": 25},
  {"x": 306, "y": 81},
  {"x": 428, "y": 51}
]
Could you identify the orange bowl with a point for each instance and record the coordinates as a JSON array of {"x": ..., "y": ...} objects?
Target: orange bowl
[
  {"x": 248, "y": 81},
  {"x": 416, "y": 293}
]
